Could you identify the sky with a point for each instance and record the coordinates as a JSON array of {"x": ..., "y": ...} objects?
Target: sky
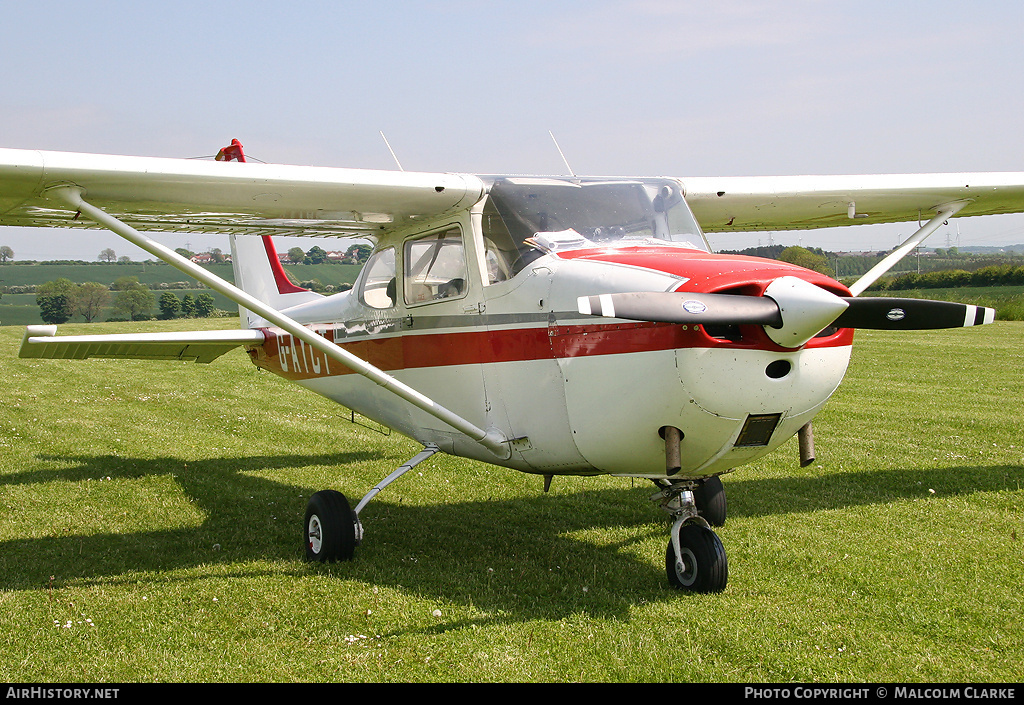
[{"x": 627, "y": 87}]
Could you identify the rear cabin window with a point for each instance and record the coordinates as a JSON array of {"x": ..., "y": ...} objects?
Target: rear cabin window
[{"x": 379, "y": 284}]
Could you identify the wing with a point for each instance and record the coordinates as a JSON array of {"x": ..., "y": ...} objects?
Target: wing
[
  {"x": 727, "y": 204},
  {"x": 195, "y": 346},
  {"x": 231, "y": 197},
  {"x": 184, "y": 195}
]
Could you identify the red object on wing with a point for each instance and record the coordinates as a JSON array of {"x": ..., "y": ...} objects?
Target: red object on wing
[{"x": 232, "y": 153}]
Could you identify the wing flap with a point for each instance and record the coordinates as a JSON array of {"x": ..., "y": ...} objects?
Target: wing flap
[{"x": 42, "y": 342}]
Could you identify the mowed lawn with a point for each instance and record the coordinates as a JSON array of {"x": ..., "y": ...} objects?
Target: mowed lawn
[{"x": 150, "y": 530}]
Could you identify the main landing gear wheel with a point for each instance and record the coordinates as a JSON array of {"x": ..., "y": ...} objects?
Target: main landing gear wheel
[
  {"x": 710, "y": 500},
  {"x": 330, "y": 528},
  {"x": 700, "y": 565}
]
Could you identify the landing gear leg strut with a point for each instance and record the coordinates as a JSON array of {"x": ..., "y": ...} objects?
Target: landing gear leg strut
[{"x": 333, "y": 529}]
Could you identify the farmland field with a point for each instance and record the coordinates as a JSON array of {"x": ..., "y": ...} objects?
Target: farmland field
[
  {"x": 150, "y": 523},
  {"x": 22, "y": 309}
]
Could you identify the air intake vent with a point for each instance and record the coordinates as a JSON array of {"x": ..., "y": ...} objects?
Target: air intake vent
[{"x": 757, "y": 430}]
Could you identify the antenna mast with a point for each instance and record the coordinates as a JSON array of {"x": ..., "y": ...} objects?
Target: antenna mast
[
  {"x": 566, "y": 161},
  {"x": 391, "y": 150}
]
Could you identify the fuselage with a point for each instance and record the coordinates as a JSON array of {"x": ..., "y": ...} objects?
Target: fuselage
[{"x": 493, "y": 332}]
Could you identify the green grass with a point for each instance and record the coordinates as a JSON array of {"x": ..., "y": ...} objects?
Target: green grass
[{"x": 151, "y": 514}]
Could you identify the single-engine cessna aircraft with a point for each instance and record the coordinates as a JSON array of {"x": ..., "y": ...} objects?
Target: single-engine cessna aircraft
[{"x": 552, "y": 325}]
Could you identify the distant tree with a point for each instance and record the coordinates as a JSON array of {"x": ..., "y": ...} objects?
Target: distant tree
[
  {"x": 802, "y": 257},
  {"x": 54, "y": 308},
  {"x": 296, "y": 255},
  {"x": 125, "y": 284},
  {"x": 187, "y": 254},
  {"x": 133, "y": 299},
  {"x": 169, "y": 305},
  {"x": 55, "y": 300},
  {"x": 188, "y": 306},
  {"x": 108, "y": 255},
  {"x": 89, "y": 300},
  {"x": 358, "y": 253},
  {"x": 217, "y": 255},
  {"x": 6, "y": 253},
  {"x": 315, "y": 255},
  {"x": 124, "y": 259},
  {"x": 204, "y": 306}
]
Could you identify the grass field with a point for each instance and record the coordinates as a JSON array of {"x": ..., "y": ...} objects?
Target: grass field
[{"x": 151, "y": 521}]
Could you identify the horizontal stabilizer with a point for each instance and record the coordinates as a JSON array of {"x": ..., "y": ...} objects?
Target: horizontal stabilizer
[
  {"x": 883, "y": 313},
  {"x": 42, "y": 342}
]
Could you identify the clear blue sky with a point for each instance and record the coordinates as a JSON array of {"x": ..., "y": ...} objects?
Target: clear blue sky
[{"x": 627, "y": 86}]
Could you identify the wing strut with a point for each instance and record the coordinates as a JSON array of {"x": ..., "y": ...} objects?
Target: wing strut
[
  {"x": 493, "y": 440},
  {"x": 947, "y": 211}
]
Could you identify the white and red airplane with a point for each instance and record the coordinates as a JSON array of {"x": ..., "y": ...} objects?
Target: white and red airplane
[{"x": 552, "y": 325}]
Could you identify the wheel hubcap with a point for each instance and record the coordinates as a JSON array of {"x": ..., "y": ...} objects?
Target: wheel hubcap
[
  {"x": 686, "y": 567},
  {"x": 315, "y": 536}
]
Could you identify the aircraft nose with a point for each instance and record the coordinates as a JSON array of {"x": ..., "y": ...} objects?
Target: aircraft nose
[{"x": 791, "y": 310}]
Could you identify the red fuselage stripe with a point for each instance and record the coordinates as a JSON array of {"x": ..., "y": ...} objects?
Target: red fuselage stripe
[{"x": 295, "y": 360}]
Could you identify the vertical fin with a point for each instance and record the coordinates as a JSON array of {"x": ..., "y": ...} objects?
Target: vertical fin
[{"x": 259, "y": 273}]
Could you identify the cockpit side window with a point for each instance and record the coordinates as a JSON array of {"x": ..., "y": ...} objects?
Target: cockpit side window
[
  {"x": 504, "y": 254},
  {"x": 378, "y": 288},
  {"x": 435, "y": 267}
]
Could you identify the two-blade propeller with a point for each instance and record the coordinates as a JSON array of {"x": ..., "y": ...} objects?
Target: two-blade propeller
[
  {"x": 882, "y": 313},
  {"x": 673, "y": 307},
  {"x": 792, "y": 310}
]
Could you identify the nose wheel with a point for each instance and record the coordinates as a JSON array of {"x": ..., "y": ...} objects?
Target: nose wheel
[{"x": 695, "y": 558}]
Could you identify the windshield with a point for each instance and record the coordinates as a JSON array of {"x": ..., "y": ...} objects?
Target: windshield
[{"x": 526, "y": 217}]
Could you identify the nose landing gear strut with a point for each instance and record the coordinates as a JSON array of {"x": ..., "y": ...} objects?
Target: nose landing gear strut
[{"x": 695, "y": 558}]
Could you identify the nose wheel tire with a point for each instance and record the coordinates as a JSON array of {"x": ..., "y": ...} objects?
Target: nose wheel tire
[
  {"x": 700, "y": 565},
  {"x": 330, "y": 528}
]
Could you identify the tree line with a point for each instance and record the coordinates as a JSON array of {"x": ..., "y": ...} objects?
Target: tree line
[
  {"x": 994, "y": 275},
  {"x": 61, "y": 300}
]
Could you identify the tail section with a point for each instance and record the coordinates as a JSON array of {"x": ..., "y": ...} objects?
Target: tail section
[{"x": 258, "y": 272}]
